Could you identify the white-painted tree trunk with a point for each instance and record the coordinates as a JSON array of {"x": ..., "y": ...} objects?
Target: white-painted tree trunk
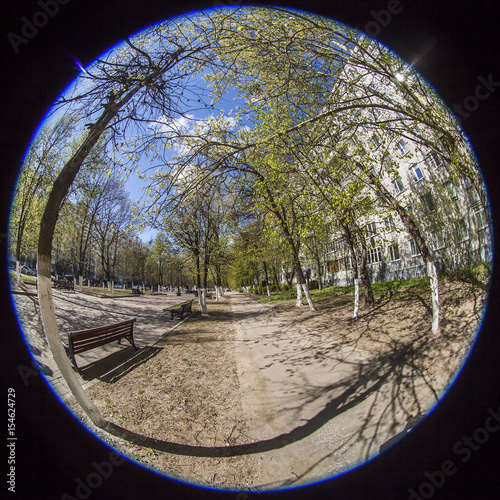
[
  {"x": 57, "y": 349},
  {"x": 216, "y": 293},
  {"x": 299, "y": 295},
  {"x": 18, "y": 273},
  {"x": 356, "y": 298},
  {"x": 112, "y": 286},
  {"x": 203, "y": 300},
  {"x": 432, "y": 274},
  {"x": 80, "y": 279},
  {"x": 268, "y": 292},
  {"x": 308, "y": 297}
]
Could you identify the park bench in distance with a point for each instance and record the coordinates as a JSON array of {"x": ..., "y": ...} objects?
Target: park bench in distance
[
  {"x": 137, "y": 291},
  {"x": 184, "y": 309},
  {"x": 64, "y": 284},
  {"x": 84, "y": 340}
]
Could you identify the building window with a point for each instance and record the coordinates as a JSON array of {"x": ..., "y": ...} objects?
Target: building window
[
  {"x": 403, "y": 148},
  {"x": 434, "y": 160},
  {"x": 371, "y": 229},
  {"x": 438, "y": 240},
  {"x": 399, "y": 187},
  {"x": 394, "y": 252},
  {"x": 480, "y": 220},
  {"x": 376, "y": 141},
  {"x": 374, "y": 255},
  {"x": 414, "y": 250},
  {"x": 484, "y": 236},
  {"x": 450, "y": 189},
  {"x": 409, "y": 209},
  {"x": 387, "y": 160},
  {"x": 462, "y": 231},
  {"x": 389, "y": 224},
  {"x": 416, "y": 172},
  {"x": 428, "y": 202},
  {"x": 467, "y": 182},
  {"x": 333, "y": 266}
]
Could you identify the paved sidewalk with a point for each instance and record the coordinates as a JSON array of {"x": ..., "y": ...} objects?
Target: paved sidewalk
[
  {"x": 314, "y": 407},
  {"x": 78, "y": 311}
]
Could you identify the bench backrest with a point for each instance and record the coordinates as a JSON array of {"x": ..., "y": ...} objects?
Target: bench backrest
[
  {"x": 187, "y": 306},
  {"x": 84, "y": 340},
  {"x": 64, "y": 284}
]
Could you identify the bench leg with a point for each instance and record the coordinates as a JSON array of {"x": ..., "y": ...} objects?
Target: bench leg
[
  {"x": 130, "y": 338},
  {"x": 71, "y": 357}
]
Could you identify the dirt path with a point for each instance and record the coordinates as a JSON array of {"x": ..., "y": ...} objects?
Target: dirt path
[
  {"x": 314, "y": 406},
  {"x": 259, "y": 396}
]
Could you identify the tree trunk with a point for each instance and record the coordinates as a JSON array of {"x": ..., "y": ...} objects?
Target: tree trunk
[
  {"x": 318, "y": 265},
  {"x": 355, "y": 270},
  {"x": 432, "y": 274},
  {"x": 414, "y": 231},
  {"x": 203, "y": 302},
  {"x": 305, "y": 288},
  {"x": 356, "y": 298},
  {"x": 302, "y": 285},
  {"x": 278, "y": 287},
  {"x": 267, "y": 281},
  {"x": 47, "y": 226},
  {"x": 363, "y": 275},
  {"x": 299, "y": 295}
]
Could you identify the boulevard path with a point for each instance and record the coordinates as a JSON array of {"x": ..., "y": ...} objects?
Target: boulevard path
[
  {"x": 79, "y": 311},
  {"x": 313, "y": 406}
]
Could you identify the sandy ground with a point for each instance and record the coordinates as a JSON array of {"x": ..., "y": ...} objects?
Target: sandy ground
[{"x": 258, "y": 395}]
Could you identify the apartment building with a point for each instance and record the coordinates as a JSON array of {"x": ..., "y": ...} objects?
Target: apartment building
[{"x": 446, "y": 199}]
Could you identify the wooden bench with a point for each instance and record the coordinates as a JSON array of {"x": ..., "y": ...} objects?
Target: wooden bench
[
  {"x": 136, "y": 291},
  {"x": 84, "y": 340},
  {"x": 184, "y": 309},
  {"x": 64, "y": 284}
]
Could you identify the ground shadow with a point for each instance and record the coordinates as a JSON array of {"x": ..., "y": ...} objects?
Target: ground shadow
[
  {"x": 113, "y": 367},
  {"x": 369, "y": 382}
]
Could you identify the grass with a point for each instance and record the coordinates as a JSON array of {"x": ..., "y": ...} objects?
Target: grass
[{"x": 331, "y": 292}]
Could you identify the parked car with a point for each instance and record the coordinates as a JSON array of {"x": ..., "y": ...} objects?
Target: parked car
[
  {"x": 118, "y": 285},
  {"x": 95, "y": 283},
  {"x": 26, "y": 270}
]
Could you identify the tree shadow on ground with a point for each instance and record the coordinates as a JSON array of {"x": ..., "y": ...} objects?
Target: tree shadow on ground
[
  {"x": 117, "y": 364},
  {"x": 368, "y": 383}
]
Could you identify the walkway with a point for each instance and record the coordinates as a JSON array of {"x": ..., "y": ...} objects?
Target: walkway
[
  {"x": 78, "y": 311},
  {"x": 314, "y": 408},
  {"x": 320, "y": 408}
]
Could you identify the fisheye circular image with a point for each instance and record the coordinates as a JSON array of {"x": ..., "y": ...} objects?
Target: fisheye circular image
[{"x": 250, "y": 248}]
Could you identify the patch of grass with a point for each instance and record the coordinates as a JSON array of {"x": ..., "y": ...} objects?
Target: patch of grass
[{"x": 335, "y": 292}]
